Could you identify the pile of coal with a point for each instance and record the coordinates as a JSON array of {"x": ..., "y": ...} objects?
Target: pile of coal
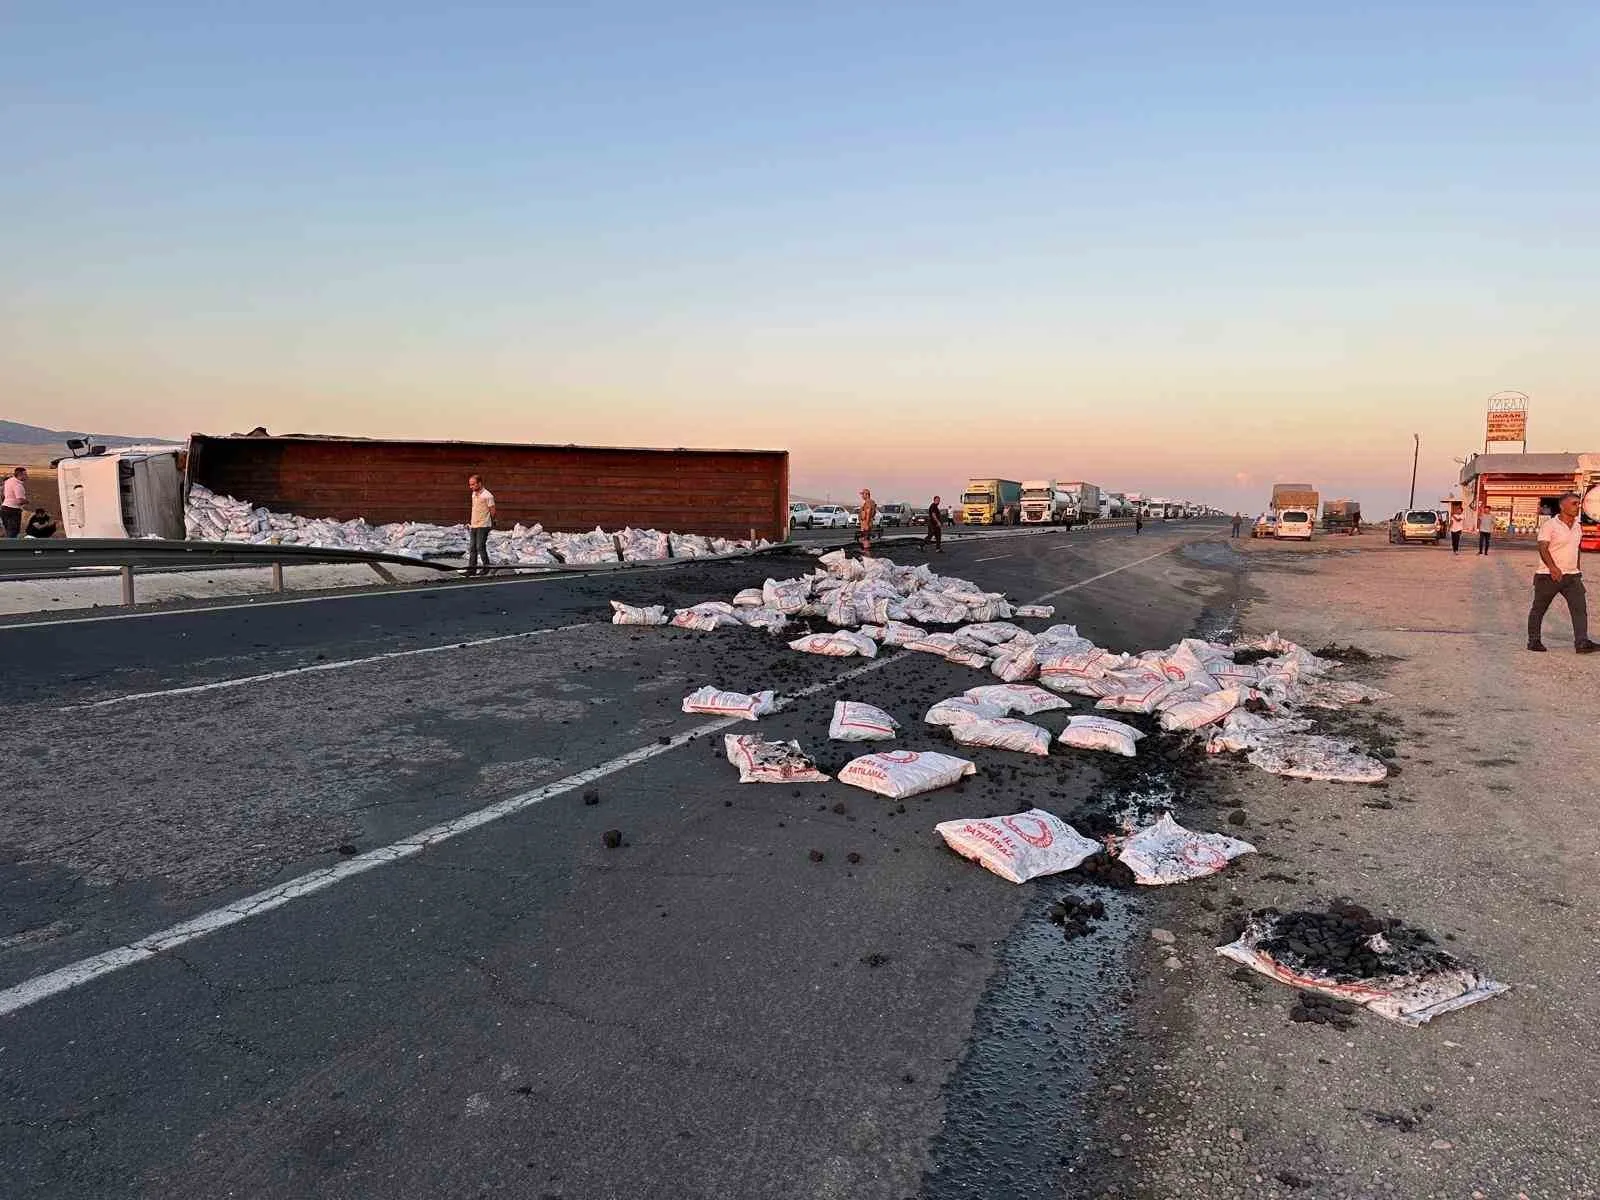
[
  {"x": 1076, "y": 917},
  {"x": 1349, "y": 942},
  {"x": 1106, "y": 871},
  {"x": 1311, "y": 1008}
]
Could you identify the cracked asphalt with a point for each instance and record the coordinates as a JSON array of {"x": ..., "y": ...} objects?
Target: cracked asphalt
[{"x": 704, "y": 1011}]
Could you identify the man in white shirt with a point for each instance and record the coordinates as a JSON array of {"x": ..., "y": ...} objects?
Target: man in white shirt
[
  {"x": 1560, "y": 574},
  {"x": 1458, "y": 525},
  {"x": 1485, "y": 529},
  {"x": 482, "y": 520},
  {"x": 13, "y": 499}
]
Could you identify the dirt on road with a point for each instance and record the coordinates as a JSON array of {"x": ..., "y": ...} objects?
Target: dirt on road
[{"x": 1483, "y": 834}]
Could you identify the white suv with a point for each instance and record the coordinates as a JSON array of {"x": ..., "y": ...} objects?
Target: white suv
[
  {"x": 830, "y": 516},
  {"x": 800, "y": 514}
]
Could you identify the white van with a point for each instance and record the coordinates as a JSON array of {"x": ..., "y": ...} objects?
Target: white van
[{"x": 1295, "y": 523}]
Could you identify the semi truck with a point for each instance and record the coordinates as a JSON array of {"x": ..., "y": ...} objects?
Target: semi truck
[
  {"x": 1083, "y": 502},
  {"x": 1294, "y": 507},
  {"x": 989, "y": 501},
  {"x": 1043, "y": 502},
  {"x": 140, "y": 492}
]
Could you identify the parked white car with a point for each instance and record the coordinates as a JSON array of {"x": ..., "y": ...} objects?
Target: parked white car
[
  {"x": 1295, "y": 523},
  {"x": 830, "y": 516},
  {"x": 800, "y": 514}
]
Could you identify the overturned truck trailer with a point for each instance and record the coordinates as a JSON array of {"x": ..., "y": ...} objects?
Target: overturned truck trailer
[{"x": 720, "y": 493}]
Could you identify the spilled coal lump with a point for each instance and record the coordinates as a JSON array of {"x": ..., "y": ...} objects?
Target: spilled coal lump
[{"x": 1348, "y": 953}]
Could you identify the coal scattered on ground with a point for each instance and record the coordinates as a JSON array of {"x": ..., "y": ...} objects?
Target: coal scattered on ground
[
  {"x": 1349, "y": 942},
  {"x": 1310, "y": 1008},
  {"x": 1076, "y": 916},
  {"x": 874, "y": 959},
  {"x": 1253, "y": 656},
  {"x": 1016, "y": 1106},
  {"x": 591, "y": 796},
  {"x": 1345, "y": 654},
  {"x": 346, "y": 848},
  {"x": 611, "y": 839},
  {"x": 817, "y": 856},
  {"x": 1237, "y": 817},
  {"x": 1105, "y": 871}
]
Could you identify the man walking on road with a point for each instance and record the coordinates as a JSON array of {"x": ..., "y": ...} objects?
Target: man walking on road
[
  {"x": 935, "y": 532},
  {"x": 1238, "y": 524},
  {"x": 1485, "y": 529},
  {"x": 1458, "y": 523},
  {"x": 1560, "y": 574},
  {"x": 13, "y": 499},
  {"x": 481, "y": 522},
  {"x": 869, "y": 514},
  {"x": 1138, "y": 522}
]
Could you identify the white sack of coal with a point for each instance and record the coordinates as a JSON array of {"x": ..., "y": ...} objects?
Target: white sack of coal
[
  {"x": 643, "y": 545},
  {"x": 1243, "y": 730},
  {"x": 763, "y": 761},
  {"x": 1042, "y": 611},
  {"x": 1002, "y": 733},
  {"x": 1166, "y": 852},
  {"x": 857, "y": 722},
  {"x": 968, "y": 658},
  {"x": 841, "y": 611},
  {"x": 838, "y": 563},
  {"x": 992, "y": 633},
  {"x": 689, "y": 545},
  {"x": 1063, "y": 669},
  {"x": 1312, "y": 756},
  {"x": 1100, "y": 733},
  {"x": 750, "y": 597},
  {"x": 1017, "y": 664},
  {"x": 729, "y": 704},
  {"x": 585, "y": 549},
  {"x": 763, "y": 617},
  {"x": 1196, "y": 711},
  {"x": 1021, "y": 698},
  {"x": 875, "y": 632},
  {"x": 1020, "y": 847},
  {"x": 1134, "y": 691},
  {"x": 841, "y": 643},
  {"x": 942, "y": 644},
  {"x": 901, "y": 773},
  {"x": 898, "y": 633},
  {"x": 788, "y": 596},
  {"x": 713, "y": 614},
  {"x": 1183, "y": 668},
  {"x": 1395, "y": 970},
  {"x": 960, "y": 708},
  {"x": 1236, "y": 675},
  {"x": 628, "y": 614}
]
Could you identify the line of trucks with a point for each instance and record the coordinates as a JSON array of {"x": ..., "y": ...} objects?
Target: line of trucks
[{"x": 1061, "y": 502}]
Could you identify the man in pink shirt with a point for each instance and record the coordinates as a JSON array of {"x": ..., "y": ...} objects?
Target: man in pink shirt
[{"x": 13, "y": 500}]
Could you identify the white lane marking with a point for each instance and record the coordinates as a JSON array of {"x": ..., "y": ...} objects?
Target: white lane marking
[
  {"x": 342, "y": 664},
  {"x": 992, "y": 558},
  {"x": 87, "y": 970},
  {"x": 1072, "y": 587},
  {"x": 75, "y": 975}
]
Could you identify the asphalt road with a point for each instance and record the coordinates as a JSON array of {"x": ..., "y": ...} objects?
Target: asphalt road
[{"x": 514, "y": 1009}]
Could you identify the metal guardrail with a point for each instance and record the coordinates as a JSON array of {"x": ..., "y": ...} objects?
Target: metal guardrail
[{"x": 44, "y": 558}]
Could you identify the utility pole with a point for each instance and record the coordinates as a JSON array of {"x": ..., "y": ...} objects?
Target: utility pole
[{"x": 1416, "y": 450}]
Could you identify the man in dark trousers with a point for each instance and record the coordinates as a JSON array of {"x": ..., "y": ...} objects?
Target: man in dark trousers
[
  {"x": 935, "y": 532},
  {"x": 1560, "y": 574},
  {"x": 1485, "y": 529},
  {"x": 1238, "y": 524},
  {"x": 1138, "y": 521},
  {"x": 479, "y": 525}
]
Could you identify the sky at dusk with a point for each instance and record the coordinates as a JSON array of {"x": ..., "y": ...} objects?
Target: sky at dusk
[{"x": 1176, "y": 248}]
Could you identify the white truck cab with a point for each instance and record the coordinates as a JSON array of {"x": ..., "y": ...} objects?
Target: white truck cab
[{"x": 131, "y": 493}]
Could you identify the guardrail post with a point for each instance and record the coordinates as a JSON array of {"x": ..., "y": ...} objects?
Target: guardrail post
[
  {"x": 277, "y": 577},
  {"x": 127, "y": 585}
]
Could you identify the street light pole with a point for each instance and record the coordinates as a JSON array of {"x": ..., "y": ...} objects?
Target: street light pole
[{"x": 1416, "y": 450}]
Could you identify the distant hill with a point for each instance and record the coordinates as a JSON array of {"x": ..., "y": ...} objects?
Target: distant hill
[{"x": 19, "y": 434}]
